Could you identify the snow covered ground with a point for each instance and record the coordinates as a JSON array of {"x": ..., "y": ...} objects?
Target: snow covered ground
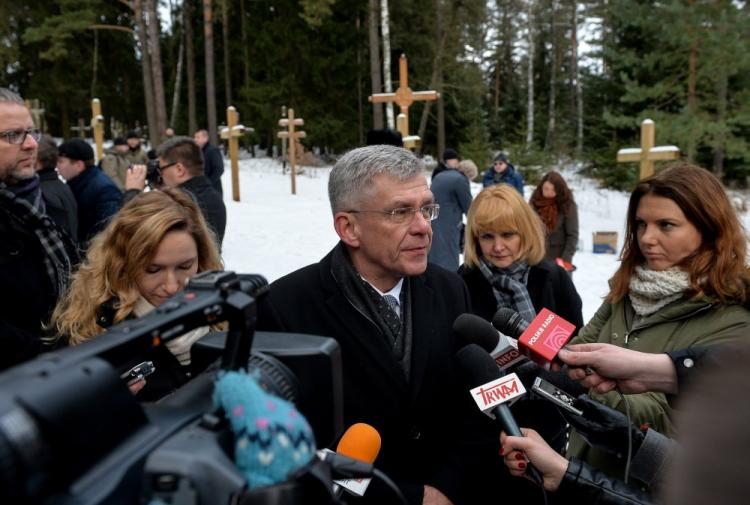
[{"x": 271, "y": 232}]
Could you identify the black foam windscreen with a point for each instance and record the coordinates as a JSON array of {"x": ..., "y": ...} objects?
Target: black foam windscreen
[
  {"x": 475, "y": 330},
  {"x": 509, "y": 322},
  {"x": 476, "y": 365}
]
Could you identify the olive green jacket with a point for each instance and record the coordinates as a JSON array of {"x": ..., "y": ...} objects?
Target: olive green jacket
[{"x": 679, "y": 325}]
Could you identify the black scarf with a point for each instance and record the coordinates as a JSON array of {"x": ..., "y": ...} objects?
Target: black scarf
[{"x": 367, "y": 301}]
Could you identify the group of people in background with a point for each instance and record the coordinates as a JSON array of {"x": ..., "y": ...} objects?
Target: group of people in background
[{"x": 381, "y": 292}]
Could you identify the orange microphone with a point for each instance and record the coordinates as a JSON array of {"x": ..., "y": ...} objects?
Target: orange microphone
[{"x": 360, "y": 442}]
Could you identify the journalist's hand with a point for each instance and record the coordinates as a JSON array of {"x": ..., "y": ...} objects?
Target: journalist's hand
[
  {"x": 603, "y": 427},
  {"x": 434, "y": 497},
  {"x": 136, "y": 178},
  {"x": 605, "y": 366},
  {"x": 532, "y": 447}
]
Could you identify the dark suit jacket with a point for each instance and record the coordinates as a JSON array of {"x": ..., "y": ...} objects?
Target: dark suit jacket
[
  {"x": 420, "y": 421},
  {"x": 549, "y": 287}
]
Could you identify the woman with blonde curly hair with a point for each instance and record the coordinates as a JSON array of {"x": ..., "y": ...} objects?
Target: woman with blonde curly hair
[
  {"x": 147, "y": 253},
  {"x": 683, "y": 281}
]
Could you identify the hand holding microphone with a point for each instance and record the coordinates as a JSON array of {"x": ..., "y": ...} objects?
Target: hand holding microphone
[
  {"x": 605, "y": 366},
  {"x": 516, "y": 450}
]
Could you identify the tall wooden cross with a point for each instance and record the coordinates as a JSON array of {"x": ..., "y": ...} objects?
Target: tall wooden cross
[
  {"x": 404, "y": 97},
  {"x": 81, "y": 129},
  {"x": 37, "y": 113},
  {"x": 232, "y": 132},
  {"x": 647, "y": 153},
  {"x": 292, "y": 136},
  {"x": 97, "y": 124}
]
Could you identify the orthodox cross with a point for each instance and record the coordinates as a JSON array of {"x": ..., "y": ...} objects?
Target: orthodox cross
[
  {"x": 292, "y": 136},
  {"x": 404, "y": 97},
  {"x": 232, "y": 132},
  {"x": 97, "y": 124},
  {"x": 647, "y": 153}
]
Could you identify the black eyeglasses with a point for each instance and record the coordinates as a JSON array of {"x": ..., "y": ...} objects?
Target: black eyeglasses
[
  {"x": 406, "y": 214},
  {"x": 161, "y": 169},
  {"x": 18, "y": 137}
]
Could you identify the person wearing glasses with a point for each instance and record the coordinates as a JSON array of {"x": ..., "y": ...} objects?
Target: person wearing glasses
[
  {"x": 97, "y": 196},
  {"x": 181, "y": 166},
  {"x": 502, "y": 172},
  {"x": 392, "y": 313},
  {"x": 35, "y": 255}
]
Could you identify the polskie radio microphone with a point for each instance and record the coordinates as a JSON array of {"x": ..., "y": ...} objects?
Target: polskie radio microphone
[
  {"x": 475, "y": 330},
  {"x": 491, "y": 390},
  {"x": 541, "y": 339},
  {"x": 357, "y": 450}
]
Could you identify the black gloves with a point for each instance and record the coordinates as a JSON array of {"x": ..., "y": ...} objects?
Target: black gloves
[{"x": 604, "y": 428}]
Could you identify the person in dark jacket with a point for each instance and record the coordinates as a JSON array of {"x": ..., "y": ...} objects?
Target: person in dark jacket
[
  {"x": 450, "y": 160},
  {"x": 58, "y": 198},
  {"x": 144, "y": 256},
  {"x": 504, "y": 267},
  {"x": 452, "y": 192},
  {"x": 555, "y": 204},
  {"x": 391, "y": 313},
  {"x": 97, "y": 196},
  {"x": 181, "y": 166},
  {"x": 213, "y": 162},
  {"x": 35, "y": 255},
  {"x": 502, "y": 172}
]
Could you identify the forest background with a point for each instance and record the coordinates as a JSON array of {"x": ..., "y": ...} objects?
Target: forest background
[{"x": 542, "y": 80}]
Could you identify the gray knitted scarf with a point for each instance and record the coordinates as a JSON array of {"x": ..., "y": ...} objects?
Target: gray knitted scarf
[
  {"x": 650, "y": 290},
  {"x": 509, "y": 286}
]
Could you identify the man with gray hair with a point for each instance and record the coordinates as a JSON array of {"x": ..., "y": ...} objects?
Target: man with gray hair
[
  {"x": 35, "y": 255},
  {"x": 392, "y": 315}
]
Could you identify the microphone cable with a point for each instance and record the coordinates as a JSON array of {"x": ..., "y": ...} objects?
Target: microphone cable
[
  {"x": 390, "y": 484},
  {"x": 630, "y": 435}
]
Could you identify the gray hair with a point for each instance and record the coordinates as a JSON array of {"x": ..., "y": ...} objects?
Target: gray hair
[
  {"x": 351, "y": 177},
  {"x": 8, "y": 96}
]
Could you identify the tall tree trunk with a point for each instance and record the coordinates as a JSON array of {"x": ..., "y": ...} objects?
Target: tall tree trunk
[
  {"x": 208, "y": 33},
  {"x": 148, "y": 87},
  {"x": 551, "y": 111},
  {"x": 177, "y": 84},
  {"x": 575, "y": 80},
  {"x": 386, "y": 34},
  {"x": 375, "y": 69},
  {"x": 245, "y": 46},
  {"x": 95, "y": 65},
  {"x": 160, "y": 103},
  {"x": 360, "y": 108},
  {"x": 530, "y": 75},
  {"x": 691, "y": 100},
  {"x": 436, "y": 80},
  {"x": 721, "y": 118},
  {"x": 187, "y": 14},
  {"x": 225, "y": 41}
]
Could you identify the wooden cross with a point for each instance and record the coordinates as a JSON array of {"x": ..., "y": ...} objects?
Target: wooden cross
[
  {"x": 97, "y": 124},
  {"x": 81, "y": 128},
  {"x": 292, "y": 136},
  {"x": 232, "y": 132},
  {"x": 37, "y": 113},
  {"x": 647, "y": 153},
  {"x": 116, "y": 127},
  {"x": 404, "y": 97}
]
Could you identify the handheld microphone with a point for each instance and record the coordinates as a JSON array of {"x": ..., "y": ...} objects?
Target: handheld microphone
[
  {"x": 490, "y": 390},
  {"x": 541, "y": 339},
  {"x": 360, "y": 443},
  {"x": 475, "y": 330}
]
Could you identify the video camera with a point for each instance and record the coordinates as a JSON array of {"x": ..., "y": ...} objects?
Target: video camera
[
  {"x": 153, "y": 174},
  {"x": 71, "y": 431}
]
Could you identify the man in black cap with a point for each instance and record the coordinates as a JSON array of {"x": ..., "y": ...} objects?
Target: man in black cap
[
  {"x": 136, "y": 154},
  {"x": 450, "y": 160},
  {"x": 115, "y": 163},
  {"x": 97, "y": 196}
]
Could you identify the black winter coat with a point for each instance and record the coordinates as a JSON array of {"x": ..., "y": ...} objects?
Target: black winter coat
[
  {"x": 60, "y": 203},
  {"x": 98, "y": 200},
  {"x": 210, "y": 202},
  {"x": 421, "y": 421},
  {"x": 584, "y": 484},
  {"x": 213, "y": 166}
]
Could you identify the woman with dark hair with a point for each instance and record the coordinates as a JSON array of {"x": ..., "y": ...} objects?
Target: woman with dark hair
[
  {"x": 554, "y": 203},
  {"x": 682, "y": 282}
]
